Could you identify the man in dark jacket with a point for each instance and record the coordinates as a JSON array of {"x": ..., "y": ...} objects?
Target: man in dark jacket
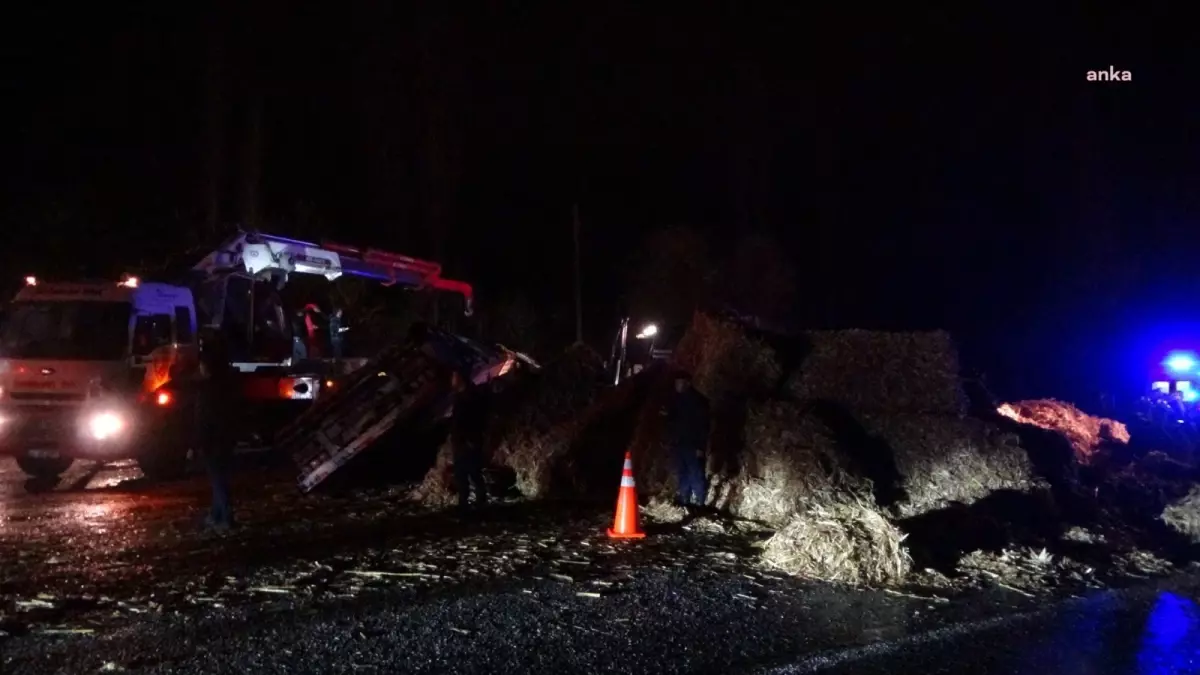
[
  {"x": 687, "y": 436},
  {"x": 299, "y": 336},
  {"x": 214, "y": 392},
  {"x": 337, "y": 340},
  {"x": 468, "y": 422}
]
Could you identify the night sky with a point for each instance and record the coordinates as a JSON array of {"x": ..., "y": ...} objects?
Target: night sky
[{"x": 924, "y": 169}]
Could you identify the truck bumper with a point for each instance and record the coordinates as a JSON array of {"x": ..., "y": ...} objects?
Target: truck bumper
[{"x": 53, "y": 431}]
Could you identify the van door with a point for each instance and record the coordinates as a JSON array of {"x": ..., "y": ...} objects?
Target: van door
[{"x": 150, "y": 331}]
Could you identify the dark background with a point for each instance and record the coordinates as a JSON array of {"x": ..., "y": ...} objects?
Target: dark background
[{"x": 916, "y": 170}]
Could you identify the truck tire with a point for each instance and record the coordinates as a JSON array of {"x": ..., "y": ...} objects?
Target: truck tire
[
  {"x": 42, "y": 467},
  {"x": 164, "y": 463}
]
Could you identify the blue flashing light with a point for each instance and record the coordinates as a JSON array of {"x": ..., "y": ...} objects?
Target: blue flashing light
[
  {"x": 1190, "y": 395},
  {"x": 1180, "y": 362}
]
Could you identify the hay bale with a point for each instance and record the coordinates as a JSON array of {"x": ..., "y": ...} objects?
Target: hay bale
[
  {"x": 572, "y": 449},
  {"x": 529, "y": 425},
  {"x": 532, "y": 458},
  {"x": 725, "y": 361},
  {"x": 1151, "y": 502},
  {"x": 727, "y": 365},
  {"x": 847, "y": 542},
  {"x": 559, "y": 392},
  {"x": 664, "y": 512},
  {"x": 940, "y": 460},
  {"x": 1086, "y": 433},
  {"x": 538, "y": 430},
  {"x": 1183, "y": 515},
  {"x": 877, "y": 372},
  {"x": 791, "y": 462},
  {"x": 796, "y": 454},
  {"x": 437, "y": 489}
]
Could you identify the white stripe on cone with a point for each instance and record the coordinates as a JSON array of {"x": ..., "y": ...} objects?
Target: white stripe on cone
[
  {"x": 629, "y": 465},
  {"x": 627, "y": 481}
]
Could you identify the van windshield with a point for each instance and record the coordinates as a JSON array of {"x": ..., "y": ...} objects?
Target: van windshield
[{"x": 86, "y": 330}]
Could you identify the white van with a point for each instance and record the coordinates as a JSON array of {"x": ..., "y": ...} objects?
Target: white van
[{"x": 73, "y": 361}]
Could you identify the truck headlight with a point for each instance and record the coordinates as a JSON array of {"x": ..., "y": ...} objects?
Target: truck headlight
[{"x": 105, "y": 425}]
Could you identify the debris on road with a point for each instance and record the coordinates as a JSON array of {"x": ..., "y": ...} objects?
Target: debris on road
[{"x": 849, "y": 543}]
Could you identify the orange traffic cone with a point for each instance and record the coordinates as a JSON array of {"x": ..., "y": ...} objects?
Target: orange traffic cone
[{"x": 625, "y": 525}]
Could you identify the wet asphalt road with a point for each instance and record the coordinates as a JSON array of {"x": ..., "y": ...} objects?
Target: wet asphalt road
[
  {"x": 104, "y": 572},
  {"x": 1150, "y": 630}
]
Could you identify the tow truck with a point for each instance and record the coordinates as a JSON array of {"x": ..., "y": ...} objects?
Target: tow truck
[{"x": 93, "y": 369}]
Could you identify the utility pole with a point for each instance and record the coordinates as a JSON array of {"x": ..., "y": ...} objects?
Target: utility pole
[
  {"x": 578, "y": 279},
  {"x": 215, "y": 120}
]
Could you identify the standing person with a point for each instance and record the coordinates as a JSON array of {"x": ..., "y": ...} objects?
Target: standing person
[
  {"x": 213, "y": 419},
  {"x": 687, "y": 435},
  {"x": 467, "y": 424},
  {"x": 299, "y": 330},
  {"x": 312, "y": 318},
  {"x": 336, "y": 341}
]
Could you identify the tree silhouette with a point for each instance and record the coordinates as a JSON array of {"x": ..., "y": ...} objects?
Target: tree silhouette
[
  {"x": 759, "y": 279},
  {"x": 514, "y": 322},
  {"x": 671, "y": 275}
]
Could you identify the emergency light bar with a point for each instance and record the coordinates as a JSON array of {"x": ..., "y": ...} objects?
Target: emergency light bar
[{"x": 1180, "y": 362}]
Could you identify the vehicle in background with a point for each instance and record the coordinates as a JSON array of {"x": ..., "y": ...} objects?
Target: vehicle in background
[
  {"x": 100, "y": 370},
  {"x": 74, "y": 358},
  {"x": 631, "y": 354},
  {"x": 1167, "y": 415}
]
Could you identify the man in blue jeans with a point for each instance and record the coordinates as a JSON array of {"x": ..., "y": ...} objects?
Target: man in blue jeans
[
  {"x": 213, "y": 418},
  {"x": 687, "y": 436}
]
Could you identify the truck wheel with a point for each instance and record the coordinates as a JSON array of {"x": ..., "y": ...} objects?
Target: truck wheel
[
  {"x": 41, "y": 467},
  {"x": 162, "y": 464}
]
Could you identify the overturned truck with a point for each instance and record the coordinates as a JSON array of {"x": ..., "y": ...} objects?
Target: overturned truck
[{"x": 405, "y": 388}]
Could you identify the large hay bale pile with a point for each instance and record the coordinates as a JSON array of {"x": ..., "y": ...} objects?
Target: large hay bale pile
[
  {"x": 727, "y": 365},
  {"x": 530, "y": 424},
  {"x": 541, "y": 428},
  {"x": 796, "y": 454},
  {"x": 1154, "y": 499},
  {"x": 848, "y": 542},
  {"x": 1086, "y": 433},
  {"x": 791, "y": 462},
  {"x": 940, "y": 460},
  {"x": 874, "y": 421},
  {"x": 555, "y": 395},
  {"x": 797, "y": 475},
  {"x": 725, "y": 361},
  {"x": 876, "y": 372}
]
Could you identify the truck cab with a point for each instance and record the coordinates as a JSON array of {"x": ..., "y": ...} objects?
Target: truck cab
[{"x": 74, "y": 360}]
